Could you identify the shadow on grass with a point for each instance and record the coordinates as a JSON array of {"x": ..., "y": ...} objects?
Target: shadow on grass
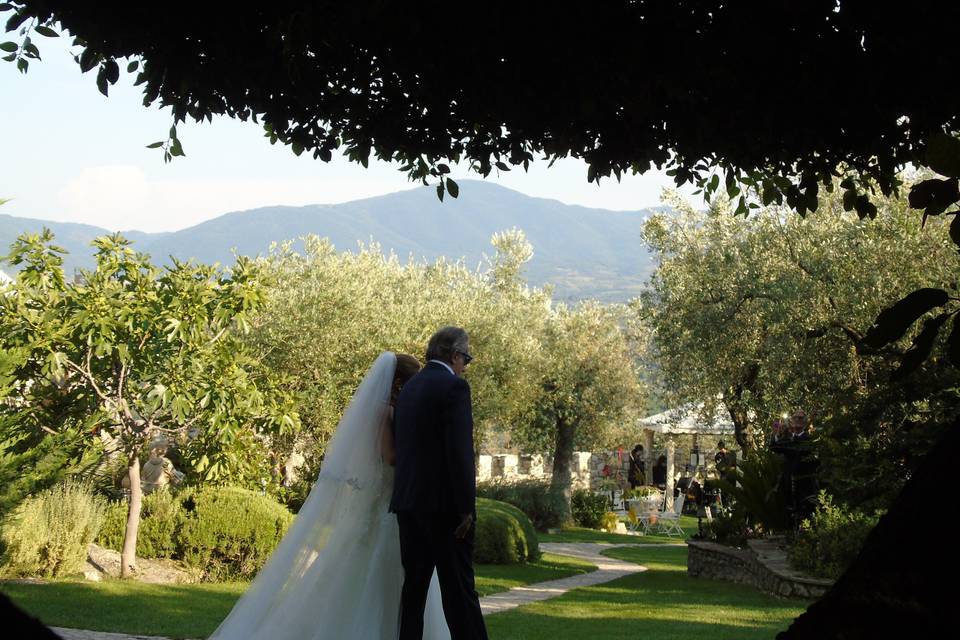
[{"x": 176, "y": 611}]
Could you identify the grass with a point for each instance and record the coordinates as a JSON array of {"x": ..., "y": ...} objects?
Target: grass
[
  {"x": 660, "y": 604},
  {"x": 194, "y": 611},
  {"x": 577, "y": 534},
  {"x": 175, "y": 611}
]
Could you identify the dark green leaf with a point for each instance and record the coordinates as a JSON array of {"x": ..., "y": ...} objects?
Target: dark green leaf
[
  {"x": 934, "y": 196},
  {"x": 943, "y": 155},
  {"x": 47, "y": 31},
  {"x": 112, "y": 71},
  {"x": 10, "y": 58},
  {"x": 22, "y": 65},
  {"x": 849, "y": 199},
  {"x": 88, "y": 60},
  {"x": 921, "y": 347},
  {"x": 102, "y": 84},
  {"x": 503, "y": 167},
  {"x": 440, "y": 191},
  {"x": 453, "y": 188},
  {"x": 9, "y": 47},
  {"x": 953, "y": 342},
  {"x": 442, "y": 168},
  {"x": 769, "y": 193},
  {"x": 894, "y": 321},
  {"x": 864, "y": 207},
  {"x": 177, "y": 150},
  {"x": 133, "y": 66},
  {"x": 16, "y": 20},
  {"x": 5, "y": 6},
  {"x": 155, "y": 145}
]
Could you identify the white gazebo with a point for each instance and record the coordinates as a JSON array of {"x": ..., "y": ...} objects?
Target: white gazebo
[{"x": 686, "y": 420}]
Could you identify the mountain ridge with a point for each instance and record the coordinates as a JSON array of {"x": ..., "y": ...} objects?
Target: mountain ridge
[{"x": 583, "y": 252}]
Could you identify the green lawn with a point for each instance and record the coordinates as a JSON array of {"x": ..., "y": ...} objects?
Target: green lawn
[
  {"x": 194, "y": 611},
  {"x": 577, "y": 534},
  {"x": 662, "y": 603},
  {"x": 659, "y": 604}
]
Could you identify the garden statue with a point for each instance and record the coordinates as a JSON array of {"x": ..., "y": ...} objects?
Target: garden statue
[{"x": 158, "y": 471}]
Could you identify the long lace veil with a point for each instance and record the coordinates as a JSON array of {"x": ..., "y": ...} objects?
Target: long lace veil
[{"x": 307, "y": 579}]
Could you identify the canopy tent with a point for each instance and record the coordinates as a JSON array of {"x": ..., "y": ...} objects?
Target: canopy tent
[{"x": 687, "y": 420}]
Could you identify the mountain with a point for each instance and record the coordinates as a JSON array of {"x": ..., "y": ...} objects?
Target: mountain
[{"x": 583, "y": 252}]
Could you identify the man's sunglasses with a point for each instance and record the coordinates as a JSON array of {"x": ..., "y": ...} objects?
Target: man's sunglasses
[{"x": 467, "y": 358}]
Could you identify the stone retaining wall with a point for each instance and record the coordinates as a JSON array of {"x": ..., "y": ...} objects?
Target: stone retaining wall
[
  {"x": 586, "y": 467},
  {"x": 746, "y": 566}
]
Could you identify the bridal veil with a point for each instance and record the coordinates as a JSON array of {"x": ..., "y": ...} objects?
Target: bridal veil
[{"x": 337, "y": 572}]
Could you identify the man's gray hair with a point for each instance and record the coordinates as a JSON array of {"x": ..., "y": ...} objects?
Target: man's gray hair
[{"x": 444, "y": 342}]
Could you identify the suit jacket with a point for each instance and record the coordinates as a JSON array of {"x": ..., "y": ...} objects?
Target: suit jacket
[{"x": 433, "y": 437}]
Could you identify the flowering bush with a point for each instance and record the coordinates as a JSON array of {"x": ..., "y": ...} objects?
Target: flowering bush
[{"x": 609, "y": 522}]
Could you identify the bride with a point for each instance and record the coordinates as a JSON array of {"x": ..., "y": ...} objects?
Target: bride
[{"x": 336, "y": 573}]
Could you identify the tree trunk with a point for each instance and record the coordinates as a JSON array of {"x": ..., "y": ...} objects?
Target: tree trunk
[
  {"x": 561, "y": 482},
  {"x": 742, "y": 429},
  {"x": 128, "y": 557}
]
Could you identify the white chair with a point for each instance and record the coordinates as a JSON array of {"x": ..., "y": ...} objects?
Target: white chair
[
  {"x": 668, "y": 522},
  {"x": 645, "y": 509}
]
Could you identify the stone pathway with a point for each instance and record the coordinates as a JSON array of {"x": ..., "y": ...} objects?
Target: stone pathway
[{"x": 607, "y": 569}]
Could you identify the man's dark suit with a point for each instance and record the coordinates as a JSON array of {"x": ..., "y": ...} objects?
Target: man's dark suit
[{"x": 434, "y": 487}]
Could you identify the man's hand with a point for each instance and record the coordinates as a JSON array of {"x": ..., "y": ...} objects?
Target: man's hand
[{"x": 464, "y": 527}]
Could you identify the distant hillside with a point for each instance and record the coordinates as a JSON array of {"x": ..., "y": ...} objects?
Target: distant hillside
[{"x": 584, "y": 253}]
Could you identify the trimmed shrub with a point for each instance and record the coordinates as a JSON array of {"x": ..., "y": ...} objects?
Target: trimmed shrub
[
  {"x": 831, "y": 539},
  {"x": 504, "y": 534},
  {"x": 588, "y": 508},
  {"x": 229, "y": 532},
  {"x": 48, "y": 534},
  {"x": 160, "y": 521},
  {"x": 535, "y": 498}
]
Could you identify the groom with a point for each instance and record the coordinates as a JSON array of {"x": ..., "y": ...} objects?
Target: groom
[{"x": 434, "y": 491}]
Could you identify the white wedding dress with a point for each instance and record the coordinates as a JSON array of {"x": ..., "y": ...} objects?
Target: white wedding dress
[{"x": 336, "y": 574}]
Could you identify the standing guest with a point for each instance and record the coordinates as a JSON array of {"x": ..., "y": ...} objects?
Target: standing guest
[
  {"x": 660, "y": 473},
  {"x": 637, "y": 473}
]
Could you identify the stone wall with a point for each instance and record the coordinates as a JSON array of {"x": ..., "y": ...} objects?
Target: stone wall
[
  {"x": 586, "y": 467},
  {"x": 755, "y": 566}
]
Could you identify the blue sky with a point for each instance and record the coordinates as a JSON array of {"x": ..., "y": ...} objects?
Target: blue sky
[{"x": 73, "y": 155}]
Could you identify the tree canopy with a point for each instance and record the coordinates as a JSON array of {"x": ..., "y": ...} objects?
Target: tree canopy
[{"x": 780, "y": 95}]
